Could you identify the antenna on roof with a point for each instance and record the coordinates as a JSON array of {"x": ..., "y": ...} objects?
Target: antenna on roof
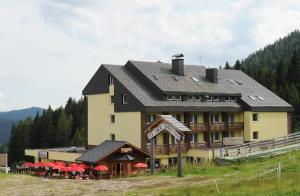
[{"x": 200, "y": 59}]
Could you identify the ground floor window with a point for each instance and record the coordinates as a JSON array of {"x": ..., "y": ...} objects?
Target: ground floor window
[
  {"x": 190, "y": 159},
  {"x": 255, "y": 135},
  {"x": 172, "y": 161}
]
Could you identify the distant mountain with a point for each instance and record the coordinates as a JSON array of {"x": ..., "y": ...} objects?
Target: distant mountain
[{"x": 7, "y": 119}]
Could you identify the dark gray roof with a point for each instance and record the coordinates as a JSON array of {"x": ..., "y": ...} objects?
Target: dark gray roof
[
  {"x": 230, "y": 82},
  {"x": 102, "y": 150}
]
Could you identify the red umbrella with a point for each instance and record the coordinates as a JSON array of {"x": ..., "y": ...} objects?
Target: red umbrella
[
  {"x": 101, "y": 168},
  {"x": 59, "y": 167},
  {"x": 39, "y": 164},
  {"x": 50, "y": 164},
  {"x": 28, "y": 164},
  {"x": 84, "y": 166},
  {"x": 60, "y": 163},
  {"x": 73, "y": 165},
  {"x": 141, "y": 165}
]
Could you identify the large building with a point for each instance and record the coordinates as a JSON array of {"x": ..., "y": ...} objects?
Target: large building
[{"x": 220, "y": 107}]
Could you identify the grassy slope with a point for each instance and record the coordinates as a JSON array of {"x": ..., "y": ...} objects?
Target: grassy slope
[{"x": 239, "y": 179}]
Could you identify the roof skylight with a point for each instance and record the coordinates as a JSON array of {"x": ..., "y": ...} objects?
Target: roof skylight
[
  {"x": 260, "y": 98},
  {"x": 195, "y": 79},
  {"x": 252, "y": 97}
]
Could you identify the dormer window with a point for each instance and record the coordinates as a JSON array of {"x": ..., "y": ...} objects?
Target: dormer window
[
  {"x": 215, "y": 98},
  {"x": 208, "y": 98},
  {"x": 190, "y": 98},
  {"x": 233, "y": 98},
  {"x": 177, "y": 97},
  {"x": 226, "y": 99},
  {"x": 124, "y": 99},
  {"x": 170, "y": 97},
  {"x": 197, "y": 98}
]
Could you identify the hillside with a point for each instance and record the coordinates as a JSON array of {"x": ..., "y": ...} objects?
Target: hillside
[
  {"x": 7, "y": 119},
  {"x": 277, "y": 67},
  {"x": 254, "y": 177}
]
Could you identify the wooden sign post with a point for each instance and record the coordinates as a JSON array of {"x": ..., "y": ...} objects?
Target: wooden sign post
[
  {"x": 179, "y": 158},
  {"x": 176, "y": 135}
]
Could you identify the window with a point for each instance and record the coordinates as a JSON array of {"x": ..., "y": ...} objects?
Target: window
[
  {"x": 197, "y": 98},
  {"x": 215, "y": 98},
  {"x": 216, "y": 136},
  {"x": 177, "y": 97},
  {"x": 112, "y": 99},
  {"x": 169, "y": 97},
  {"x": 177, "y": 116},
  {"x": 112, "y": 137},
  {"x": 124, "y": 99},
  {"x": 227, "y": 99},
  {"x": 208, "y": 98},
  {"x": 255, "y": 117},
  {"x": 112, "y": 118},
  {"x": 255, "y": 135},
  {"x": 190, "y": 98},
  {"x": 233, "y": 98},
  {"x": 150, "y": 118},
  {"x": 230, "y": 118},
  {"x": 193, "y": 118},
  {"x": 216, "y": 119},
  {"x": 173, "y": 140},
  {"x": 111, "y": 80},
  {"x": 194, "y": 138}
]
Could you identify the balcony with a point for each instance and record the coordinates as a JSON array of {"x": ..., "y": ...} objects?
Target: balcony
[
  {"x": 202, "y": 127},
  {"x": 172, "y": 148}
]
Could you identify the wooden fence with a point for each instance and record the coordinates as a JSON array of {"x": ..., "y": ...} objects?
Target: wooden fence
[{"x": 259, "y": 146}]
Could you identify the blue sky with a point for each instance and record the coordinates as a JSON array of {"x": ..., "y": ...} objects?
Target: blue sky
[{"x": 49, "y": 49}]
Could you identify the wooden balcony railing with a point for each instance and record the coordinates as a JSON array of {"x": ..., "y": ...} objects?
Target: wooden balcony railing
[
  {"x": 172, "y": 148},
  {"x": 215, "y": 126}
]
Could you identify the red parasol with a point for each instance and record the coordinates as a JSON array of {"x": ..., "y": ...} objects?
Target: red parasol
[
  {"x": 141, "y": 165},
  {"x": 39, "y": 164},
  {"x": 28, "y": 164},
  {"x": 84, "y": 166},
  {"x": 73, "y": 165},
  {"x": 60, "y": 163},
  {"x": 50, "y": 164},
  {"x": 59, "y": 167},
  {"x": 101, "y": 168}
]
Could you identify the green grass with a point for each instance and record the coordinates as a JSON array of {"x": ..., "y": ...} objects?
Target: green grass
[{"x": 237, "y": 179}]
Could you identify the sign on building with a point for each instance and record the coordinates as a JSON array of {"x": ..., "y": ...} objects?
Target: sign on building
[
  {"x": 162, "y": 127},
  {"x": 43, "y": 154},
  {"x": 126, "y": 150}
]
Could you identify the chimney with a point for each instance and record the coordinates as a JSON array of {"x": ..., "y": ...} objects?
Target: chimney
[
  {"x": 178, "y": 64},
  {"x": 212, "y": 75}
]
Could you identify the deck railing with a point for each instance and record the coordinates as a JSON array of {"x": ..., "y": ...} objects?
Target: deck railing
[
  {"x": 257, "y": 146},
  {"x": 221, "y": 126}
]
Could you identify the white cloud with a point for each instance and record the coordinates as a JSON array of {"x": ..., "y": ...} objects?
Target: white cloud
[{"x": 50, "y": 49}]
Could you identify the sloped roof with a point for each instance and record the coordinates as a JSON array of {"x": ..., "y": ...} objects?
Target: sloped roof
[
  {"x": 174, "y": 123},
  {"x": 103, "y": 150},
  {"x": 162, "y": 76}
]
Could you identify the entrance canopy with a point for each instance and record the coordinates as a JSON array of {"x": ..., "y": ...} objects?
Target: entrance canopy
[{"x": 166, "y": 123}]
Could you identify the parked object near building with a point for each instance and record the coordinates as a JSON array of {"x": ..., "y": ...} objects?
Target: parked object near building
[{"x": 220, "y": 107}]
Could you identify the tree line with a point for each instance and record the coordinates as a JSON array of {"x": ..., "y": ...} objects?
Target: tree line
[
  {"x": 61, "y": 127},
  {"x": 277, "y": 67}
]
